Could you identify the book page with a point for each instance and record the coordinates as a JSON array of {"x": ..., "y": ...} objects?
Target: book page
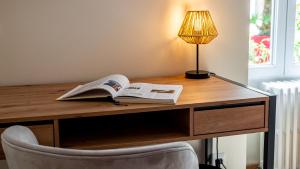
[
  {"x": 152, "y": 91},
  {"x": 112, "y": 84},
  {"x": 115, "y": 84}
]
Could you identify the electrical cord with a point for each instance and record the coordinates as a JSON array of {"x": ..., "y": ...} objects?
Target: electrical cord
[
  {"x": 217, "y": 147},
  {"x": 223, "y": 165},
  {"x": 219, "y": 161}
]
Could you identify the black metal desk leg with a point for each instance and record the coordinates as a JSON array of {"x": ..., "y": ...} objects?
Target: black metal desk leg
[
  {"x": 208, "y": 151},
  {"x": 269, "y": 140}
]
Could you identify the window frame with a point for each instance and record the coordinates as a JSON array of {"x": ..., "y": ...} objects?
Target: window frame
[
  {"x": 282, "y": 44},
  {"x": 292, "y": 68}
]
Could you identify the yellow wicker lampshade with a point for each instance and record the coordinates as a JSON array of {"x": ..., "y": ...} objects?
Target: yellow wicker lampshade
[{"x": 198, "y": 28}]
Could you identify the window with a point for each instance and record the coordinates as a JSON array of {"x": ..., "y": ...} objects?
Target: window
[
  {"x": 274, "y": 41},
  {"x": 297, "y": 34},
  {"x": 260, "y": 32}
]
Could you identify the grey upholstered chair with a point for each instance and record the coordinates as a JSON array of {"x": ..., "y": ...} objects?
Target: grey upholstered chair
[{"x": 22, "y": 151}]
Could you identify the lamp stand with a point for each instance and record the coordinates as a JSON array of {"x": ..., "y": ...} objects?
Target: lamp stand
[{"x": 197, "y": 74}]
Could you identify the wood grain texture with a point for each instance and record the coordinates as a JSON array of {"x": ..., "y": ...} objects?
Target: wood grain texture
[
  {"x": 32, "y": 103},
  {"x": 101, "y": 124},
  {"x": 229, "y": 119},
  {"x": 56, "y": 133},
  {"x": 267, "y": 104}
]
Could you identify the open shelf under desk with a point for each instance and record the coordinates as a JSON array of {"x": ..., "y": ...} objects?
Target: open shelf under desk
[
  {"x": 124, "y": 130},
  {"x": 122, "y": 140}
]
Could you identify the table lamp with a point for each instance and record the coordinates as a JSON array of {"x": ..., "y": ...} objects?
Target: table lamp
[{"x": 197, "y": 28}]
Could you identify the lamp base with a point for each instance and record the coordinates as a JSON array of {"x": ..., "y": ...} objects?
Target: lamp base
[{"x": 193, "y": 74}]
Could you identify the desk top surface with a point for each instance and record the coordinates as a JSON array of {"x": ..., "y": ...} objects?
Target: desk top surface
[{"x": 37, "y": 102}]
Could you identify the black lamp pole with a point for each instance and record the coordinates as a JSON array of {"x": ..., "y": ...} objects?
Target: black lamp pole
[
  {"x": 197, "y": 60},
  {"x": 197, "y": 74}
]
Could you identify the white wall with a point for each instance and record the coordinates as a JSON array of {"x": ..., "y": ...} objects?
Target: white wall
[
  {"x": 228, "y": 54},
  {"x": 234, "y": 150},
  {"x": 50, "y": 41},
  {"x": 253, "y": 148},
  {"x": 43, "y": 41}
]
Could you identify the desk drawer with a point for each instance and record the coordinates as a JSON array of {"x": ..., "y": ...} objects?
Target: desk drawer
[
  {"x": 229, "y": 119},
  {"x": 44, "y": 134}
]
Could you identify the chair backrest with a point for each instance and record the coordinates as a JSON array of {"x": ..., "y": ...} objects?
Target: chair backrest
[{"x": 22, "y": 151}]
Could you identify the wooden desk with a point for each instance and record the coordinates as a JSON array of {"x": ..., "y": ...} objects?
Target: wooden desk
[{"x": 206, "y": 108}]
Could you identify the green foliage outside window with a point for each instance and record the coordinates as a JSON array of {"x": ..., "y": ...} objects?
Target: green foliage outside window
[
  {"x": 297, "y": 39},
  {"x": 259, "y": 46}
]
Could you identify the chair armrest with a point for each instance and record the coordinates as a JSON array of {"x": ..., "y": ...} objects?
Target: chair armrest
[{"x": 19, "y": 134}]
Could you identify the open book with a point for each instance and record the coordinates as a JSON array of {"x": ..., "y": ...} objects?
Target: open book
[{"x": 119, "y": 88}]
